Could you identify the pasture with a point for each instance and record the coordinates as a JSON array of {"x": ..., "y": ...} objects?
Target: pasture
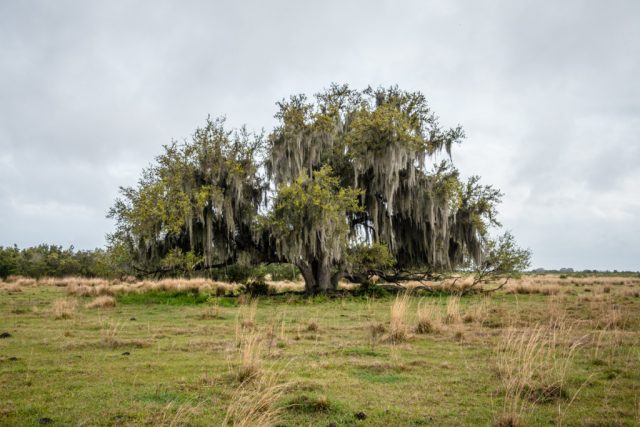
[{"x": 543, "y": 350}]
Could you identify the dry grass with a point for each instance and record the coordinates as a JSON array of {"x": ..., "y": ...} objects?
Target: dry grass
[
  {"x": 250, "y": 358},
  {"x": 452, "y": 314},
  {"x": 21, "y": 281},
  {"x": 110, "y": 332},
  {"x": 547, "y": 284},
  {"x": 631, "y": 293},
  {"x": 533, "y": 365},
  {"x": 10, "y": 288},
  {"x": 313, "y": 326},
  {"x": 398, "y": 330},
  {"x": 508, "y": 420},
  {"x": 255, "y": 403},
  {"x": 102, "y": 302},
  {"x": 376, "y": 330},
  {"x": 612, "y": 317},
  {"x": 428, "y": 318},
  {"x": 528, "y": 288},
  {"x": 249, "y": 314},
  {"x": 477, "y": 312},
  {"x": 95, "y": 287},
  {"x": 181, "y": 416},
  {"x": 210, "y": 312},
  {"x": 64, "y": 308}
]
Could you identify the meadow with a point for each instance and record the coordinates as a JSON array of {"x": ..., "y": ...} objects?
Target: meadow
[{"x": 543, "y": 350}]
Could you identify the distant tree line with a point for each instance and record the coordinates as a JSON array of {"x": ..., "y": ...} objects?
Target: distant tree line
[
  {"x": 570, "y": 272},
  {"x": 55, "y": 261}
]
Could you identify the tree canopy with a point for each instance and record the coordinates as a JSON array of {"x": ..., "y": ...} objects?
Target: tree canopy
[{"x": 347, "y": 184}]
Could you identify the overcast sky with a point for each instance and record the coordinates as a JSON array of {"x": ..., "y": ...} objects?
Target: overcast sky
[{"x": 547, "y": 91}]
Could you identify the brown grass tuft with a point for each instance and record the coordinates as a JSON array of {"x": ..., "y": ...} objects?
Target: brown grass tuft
[
  {"x": 250, "y": 358},
  {"x": 528, "y": 288},
  {"x": 210, "y": 312},
  {"x": 102, "y": 302},
  {"x": 20, "y": 280},
  {"x": 249, "y": 314},
  {"x": 478, "y": 312},
  {"x": 533, "y": 364},
  {"x": 508, "y": 420},
  {"x": 398, "y": 325},
  {"x": 10, "y": 288},
  {"x": 310, "y": 404},
  {"x": 452, "y": 315},
  {"x": 428, "y": 318},
  {"x": 376, "y": 330},
  {"x": 64, "y": 308},
  {"x": 255, "y": 403},
  {"x": 313, "y": 326}
]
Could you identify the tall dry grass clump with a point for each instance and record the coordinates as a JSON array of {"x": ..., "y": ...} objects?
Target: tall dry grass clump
[
  {"x": 376, "y": 331},
  {"x": 530, "y": 287},
  {"x": 210, "y": 312},
  {"x": 612, "y": 317},
  {"x": 86, "y": 287},
  {"x": 255, "y": 403},
  {"x": 427, "y": 318},
  {"x": 64, "y": 308},
  {"x": 533, "y": 365},
  {"x": 249, "y": 314},
  {"x": 72, "y": 281},
  {"x": 452, "y": 313},
  {"x": 102, "y": 302},
  {"x": 10, "y": 288},
  {"x": 478, "y": 312},
  {"x": 180, "y": 416},
  {"x": 250, "y": 358},
  {"x": 398, "y": 330},
  {"x": 20, "y": 280}
]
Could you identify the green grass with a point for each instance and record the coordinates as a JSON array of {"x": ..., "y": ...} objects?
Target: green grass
[
  {"x": 182, "y": 364},
  {"x": 166, "y": 298}
]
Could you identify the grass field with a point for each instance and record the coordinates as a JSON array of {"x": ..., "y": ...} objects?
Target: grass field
[{"x": 544, "y": 350}]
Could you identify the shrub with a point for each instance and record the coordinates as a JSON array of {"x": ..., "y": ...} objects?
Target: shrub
[
  {"x": 373, "y": 290},
  {"x": 256, "y": 287}
]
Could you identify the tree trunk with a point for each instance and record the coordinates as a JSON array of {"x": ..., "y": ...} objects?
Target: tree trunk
[
  {"x": 317, "y": 276},
  {"x": 309, "y": 279}
]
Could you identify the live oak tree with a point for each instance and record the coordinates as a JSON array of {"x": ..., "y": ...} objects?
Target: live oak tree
[{"x": 349, "y": 183}]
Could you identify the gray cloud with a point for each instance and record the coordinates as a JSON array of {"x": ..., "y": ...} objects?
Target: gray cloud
[{"x": 547, "y": 92}]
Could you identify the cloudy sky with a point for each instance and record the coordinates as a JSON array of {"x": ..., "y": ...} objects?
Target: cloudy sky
[{"x": 548, "y": 92}]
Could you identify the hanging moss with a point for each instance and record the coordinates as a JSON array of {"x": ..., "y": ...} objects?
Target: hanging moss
[
  {"x": 383, "y": 142},
  {"x": 345, "y": 169},
  {"x": 201, "y": 196}
]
